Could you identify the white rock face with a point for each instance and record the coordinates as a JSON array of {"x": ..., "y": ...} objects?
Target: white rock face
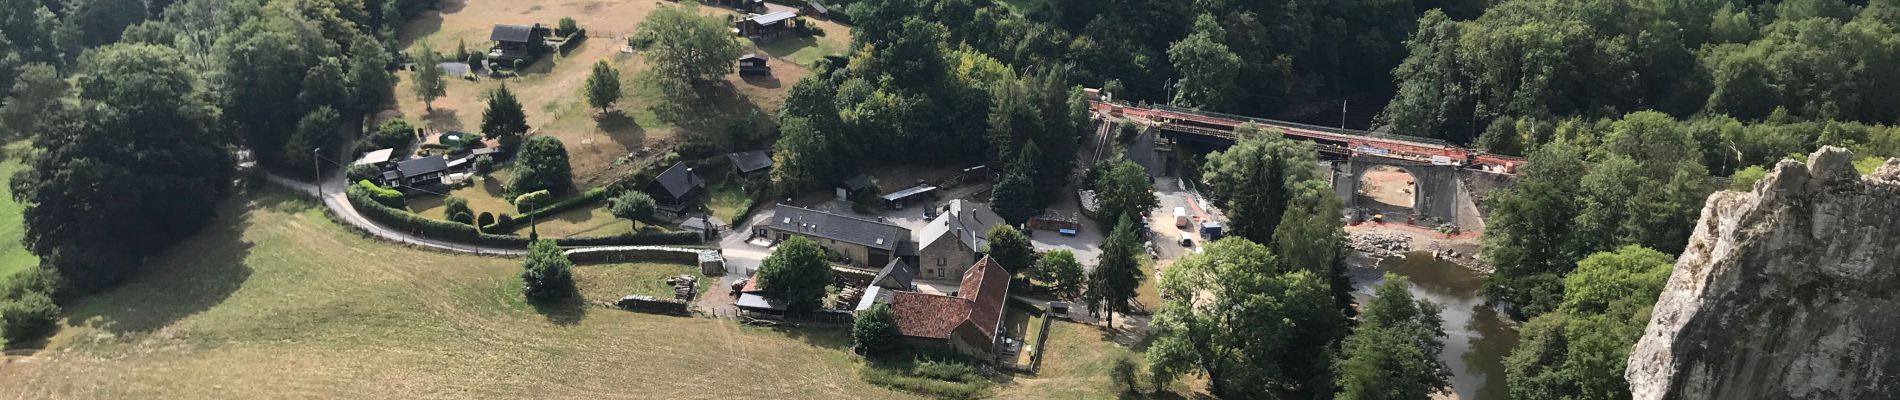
[{"x": 1790, "y": 291}]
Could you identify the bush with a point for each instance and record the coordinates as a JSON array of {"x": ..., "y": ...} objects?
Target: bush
[
  {"x": 546, "y": 273},
  {"x": 946, "y": 371},
  {"x": 875, "y": 331},
  {"x": 940, "y": 379},
  {"x": 485, "y": 219},
  {"x": 362, "y": 172},
  {"x": 462, "y": 218},
  {"x": 386, "y": 197},
  {"x": 529, "y": 201},
  {"x": 392, "y": 134},
  {"x": 590, "y": 197},
  {"x": 29, "y": 316},
  {"x": 567, "y": 26},
  {"x": 502, "y": 220},
  {"x": 452, "y": 206},
  {"x": 484, "y": 164},
  {"x": 1122, "y": 375}
]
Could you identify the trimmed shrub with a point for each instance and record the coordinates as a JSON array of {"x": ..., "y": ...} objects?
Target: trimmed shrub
[
  {"x": 502, "y": 220},
  {"x": 386, "y": 197},
  {"x": 485, "y": 219},
  {"x": 462, "y": 218},
  {"x": 530, "y": 201},
  {"x": 484, "y": 164},
  {"x": 453, "y": 206},
  {"x": 30, "y": 316}
]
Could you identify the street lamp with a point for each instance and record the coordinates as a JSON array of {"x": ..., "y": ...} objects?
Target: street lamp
[{"x": 316, "y": 170}]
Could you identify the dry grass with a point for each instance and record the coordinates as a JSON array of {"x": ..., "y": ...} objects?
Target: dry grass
[
  {"x": 550, "y": 91},
  {"x": 612, "y": 281},
  {"x": 273, "y": 300},
  {"x": 1076, "y": 365}
]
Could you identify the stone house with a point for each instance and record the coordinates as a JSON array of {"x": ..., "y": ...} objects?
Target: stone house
[
  {"x": 857, "y": 242},
  {"x": 954, "y": 240}
]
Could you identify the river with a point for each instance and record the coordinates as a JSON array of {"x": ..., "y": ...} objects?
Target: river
[{"x": 1476, "y": 337}]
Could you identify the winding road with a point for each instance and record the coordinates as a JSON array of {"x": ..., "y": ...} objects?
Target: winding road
[{"x": 339, "y": 205}]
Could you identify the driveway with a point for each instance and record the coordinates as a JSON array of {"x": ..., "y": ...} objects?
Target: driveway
[{"x": 339, "y": 205}]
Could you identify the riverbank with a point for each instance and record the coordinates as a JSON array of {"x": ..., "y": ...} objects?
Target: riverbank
[
  {"x": 1387, "y": 240},
  {"x": 1477, "y": 336}
]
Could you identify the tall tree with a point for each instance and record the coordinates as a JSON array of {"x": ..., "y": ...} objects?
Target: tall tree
[
  {"x": 1393, "y": 353},
  {"x": 1123, "y": 192},
  {"x": 1010, "y": 248},
  {"x": 688, "y": 46},
  {"x": 1581, "y": 349},
  {"x": 603, "y": 86},
  {"x": 796, "y": 273},
  {"x": 429, "y": 84},
  {"x": 264, "y": 62},
  {"x": 1117, "y": 276},
  {"x": 1310, "y": 238},
  {"x": 633, "y": 206},
  {"x": 321, "y": 129},
  {"x": 1249, "y": 327},
  {"x": 504, "y": 120},
  {"x": 1063, "y": 273},
  {"x": 101, "y": 21},
  {"x": 803, "y": 156},
  {"x": 1014, "y": 198},
  {"x": 546, "y": 274},
  {"x": 1207, "y": 66},
  {"x": 1252, "y": 179},
  {"x": 34, "y": 97},
  {"x": 542, "y": 165},
  {"x": 136, "y": 166},
  {"x": 1528, "y": 235}
]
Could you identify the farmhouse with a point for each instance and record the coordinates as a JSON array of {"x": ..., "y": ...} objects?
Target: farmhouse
[
  {"x": 767, "y": 26},
  {"x": 895, "y": 277},
  {"x": 966, "y": 321},
  {"x": 516, "y": 42},
  {"x": 416, "y": 172},
  {"x": 675, "y": 187},
  {"x": 861, "y": 243},
  {"x": 955, "y": 239}
]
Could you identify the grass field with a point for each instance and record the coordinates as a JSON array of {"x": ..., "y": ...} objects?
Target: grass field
[
  {"x": 610, "y": 282},
  {"x": 1077, "y": 365},
  {"x": 1022, "y": 322},
  {"x": 13, "y": 256},
  {"x": 273, "y": 300},
  {"x": 726, "y": 200}
]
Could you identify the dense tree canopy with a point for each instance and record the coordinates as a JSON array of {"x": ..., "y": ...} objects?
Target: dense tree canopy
[
  {"x": 632, "y": 206},
  {"x": 1250, "y": 327},
  {"x": 1580, "y": 350},
  {"x": 1254, "y": 180},
  {"x": 542, "y": 165},
  {"x": 687, "y": 46},
  {"x": 136, "y": 164},
  {"x": 546, "y": 274},
  {"x": 603, "y": 86},
  {"x": 1393, "y": 353},
  {"x": 797, "y": 272},
  {"x": 1010, "y": 248},
  {"x": 1123, "y": 191}
]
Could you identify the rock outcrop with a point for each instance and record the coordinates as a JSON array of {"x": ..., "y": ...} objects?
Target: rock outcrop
[{"x": 1789, "y": 291}]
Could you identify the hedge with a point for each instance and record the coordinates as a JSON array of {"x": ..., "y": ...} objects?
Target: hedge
[
  {"x": 385, "y": 197},
  {"x": 532, "y": 200},
  {"x": 439, "y": 229},
  {"x": 591, "y": 196}
]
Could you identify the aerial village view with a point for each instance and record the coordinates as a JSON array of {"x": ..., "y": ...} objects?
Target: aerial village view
[{"x": 950, "y": 199}]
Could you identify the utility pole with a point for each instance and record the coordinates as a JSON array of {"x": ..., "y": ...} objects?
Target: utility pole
[
  {"x": 316, "y": 170},
  {"x": 1342, "y": 113}
]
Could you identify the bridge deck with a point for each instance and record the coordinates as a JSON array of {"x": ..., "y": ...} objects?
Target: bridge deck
[{"x": 1330, "y": 140}]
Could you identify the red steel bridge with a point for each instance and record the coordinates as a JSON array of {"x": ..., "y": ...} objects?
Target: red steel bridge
[{"x": 1342, "y": 142}]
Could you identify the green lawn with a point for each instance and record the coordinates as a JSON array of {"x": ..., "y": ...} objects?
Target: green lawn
[
  {"x": 726, "y": 200},
  {"x": 484, "y": 194},
  {"x": 1149, "y": 295},
  {"x": 612, "y": 281},
  {"x": 274, "y": 300},
  {"x": 1076, "y": 365},
  {"x": 13, "y": 256}
]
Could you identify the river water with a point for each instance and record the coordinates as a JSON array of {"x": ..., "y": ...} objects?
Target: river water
[{"x": 1476, "y": 337}]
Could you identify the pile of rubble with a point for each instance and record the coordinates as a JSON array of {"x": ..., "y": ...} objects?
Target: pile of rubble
[
  {"x": 1379, "y": 245},
  {"x": 684, "y": 286}
]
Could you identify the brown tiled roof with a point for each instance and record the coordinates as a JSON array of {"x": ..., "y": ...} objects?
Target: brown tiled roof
[
  {"x": 928, "y": 315},
  {"x": 977, "y": 309},
  {"x": 987, "y": 285}
]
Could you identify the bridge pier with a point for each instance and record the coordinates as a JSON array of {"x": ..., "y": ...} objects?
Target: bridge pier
[{"x": 1435, "y": 195}]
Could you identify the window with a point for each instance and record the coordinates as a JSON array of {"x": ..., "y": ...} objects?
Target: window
[
  {"x": 940, "y": 274},
  {"x": 941, "y": 261}
]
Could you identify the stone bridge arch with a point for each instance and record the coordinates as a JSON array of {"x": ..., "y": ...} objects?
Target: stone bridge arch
[{"x": 1435, "y": 194}]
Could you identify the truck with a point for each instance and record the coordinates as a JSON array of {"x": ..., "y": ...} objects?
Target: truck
[
  {"x": 1180, "y": 217},
  {"x": 1210, "y": 230}
]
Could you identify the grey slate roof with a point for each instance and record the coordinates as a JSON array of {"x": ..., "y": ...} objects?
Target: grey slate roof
[
  {"x": 750, "y": 161},
  {"x": 896, "y": 275},
  {"x": 820, "y": 224},
  {"x": 857, "y": 182},
  {"x": 974, "y": 218},
  {"x": 774, "y": 18},
  {"x": 511, "y": 33},
  {"x": 422, "y": 166},
  {"x": 678, "y": 180}
]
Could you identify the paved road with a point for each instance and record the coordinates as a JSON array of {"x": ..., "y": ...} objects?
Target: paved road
[{"x": 339, "y": 205}]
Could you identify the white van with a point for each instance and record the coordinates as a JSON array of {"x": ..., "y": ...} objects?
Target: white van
[{"x": 1180, "y": 217}]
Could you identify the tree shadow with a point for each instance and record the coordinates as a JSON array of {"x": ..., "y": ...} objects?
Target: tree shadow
[
  {"x": 442, "y": 120},
  {"x": 191, "y": 277},
  {"x": 622, "y": 129},
  {"x": 563, "y": 312},
  {"x": 768, "y": 82}
]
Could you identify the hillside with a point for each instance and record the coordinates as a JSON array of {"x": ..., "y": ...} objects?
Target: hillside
[{"x": 273, "y": 300}]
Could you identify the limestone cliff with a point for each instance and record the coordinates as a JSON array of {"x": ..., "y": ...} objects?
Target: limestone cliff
[{"x": 1790, "y": 291}]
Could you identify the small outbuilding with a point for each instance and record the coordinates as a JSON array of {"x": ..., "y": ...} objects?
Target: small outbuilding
[
  {"x": 748, "y": 162},
  {"x": 753, "y": 64},
  {"x": 853, "y": 185},
  {"x": 376, "y": 157},
  {"x": 767, "y": 26}
]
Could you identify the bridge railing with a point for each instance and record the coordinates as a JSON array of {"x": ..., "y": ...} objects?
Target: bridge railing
[{"x": 1275, "y": 122}]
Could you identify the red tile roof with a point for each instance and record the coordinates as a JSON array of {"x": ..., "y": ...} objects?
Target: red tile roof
[{"x": 978, "y": 305}]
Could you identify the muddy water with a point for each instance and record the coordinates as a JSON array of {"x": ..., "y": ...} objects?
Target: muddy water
[{"x": 1476, "y": 337}]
